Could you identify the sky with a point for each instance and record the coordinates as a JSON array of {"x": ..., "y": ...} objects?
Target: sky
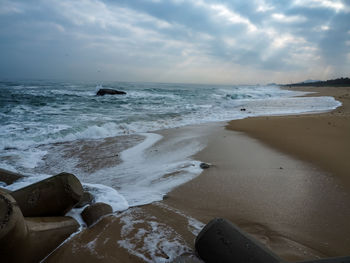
[{"x": 184, "y": 41}]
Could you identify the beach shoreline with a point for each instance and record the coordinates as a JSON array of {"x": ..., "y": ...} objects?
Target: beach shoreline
[
  {"x": 321, "y": 139},
  {"x": 288, "y": 202}
]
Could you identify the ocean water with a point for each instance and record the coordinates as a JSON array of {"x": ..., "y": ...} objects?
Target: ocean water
[
  {"x": 44, "y": 125},
  {"x": 111, "y": 143}
]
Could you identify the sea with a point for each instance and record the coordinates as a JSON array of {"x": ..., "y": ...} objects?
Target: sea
[{"x": 109, "y": 142}]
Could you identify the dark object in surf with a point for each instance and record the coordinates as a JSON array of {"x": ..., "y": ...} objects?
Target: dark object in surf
[
  {"x": 94, "y": 212},
  {"x": 243, "y": 109},
  {"x": 204, "y": 165},
  {"x": 103, "y": 92},
  {"x": 9, "y": 177},
  {"x": 86, "y": 199},
  {"x": 222, "y": 241},
  {"x": 29, "y": 239},
  {"x": 53, "y": 196}
]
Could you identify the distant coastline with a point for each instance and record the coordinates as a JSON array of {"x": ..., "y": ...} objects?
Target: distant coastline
[{"x": 340, "y": 82}]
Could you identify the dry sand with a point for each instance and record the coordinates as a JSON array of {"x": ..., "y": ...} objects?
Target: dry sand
[{"x": 289, "y": 189}]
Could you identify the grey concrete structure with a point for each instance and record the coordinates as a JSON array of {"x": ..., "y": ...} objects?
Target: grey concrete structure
[
  {"x": 13, "y": 229},
  {"x": 9, "y": 177},
  {"x": 94, "y": 212},
  {"x": 29, "y": 239},
  {"x": 54, "y": 196},
  {"x": 220, "y": 241}
]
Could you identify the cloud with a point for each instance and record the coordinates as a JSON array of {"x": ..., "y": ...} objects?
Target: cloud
[
  {"x": 9, "y": 7},
  {"x": 288, "y": 19},
  {"x": 336, "y": 5},
  {"x": 174, "y": 40},
  {"x": 262, "y": 6}
]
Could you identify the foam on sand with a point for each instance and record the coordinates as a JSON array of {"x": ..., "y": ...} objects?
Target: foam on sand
[{"x": 152, "y": 168}]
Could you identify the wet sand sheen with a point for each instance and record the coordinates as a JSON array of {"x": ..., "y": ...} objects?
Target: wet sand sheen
[
  {"x": 294, "y": 207},
  {"x": 322, "y": 139},
  {"x": 297, "y": 210}
]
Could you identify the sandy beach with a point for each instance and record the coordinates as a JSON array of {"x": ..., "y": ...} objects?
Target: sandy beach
[
  {"x": 321, "y": 139},
  {"x": 284, "y": 180}
]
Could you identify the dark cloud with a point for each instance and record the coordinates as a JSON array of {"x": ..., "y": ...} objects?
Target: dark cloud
[
  {"x": 335, "y": 42},
  {"x": 137, "y": 40}
]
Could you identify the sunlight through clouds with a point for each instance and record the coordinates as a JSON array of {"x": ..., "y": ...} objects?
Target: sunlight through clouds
[
  {"x": 288, "y": 19},
  {"x": 124, "y": 38},
  {"x": 232, "y": 17},
  {"x": 332, "y": 4}
]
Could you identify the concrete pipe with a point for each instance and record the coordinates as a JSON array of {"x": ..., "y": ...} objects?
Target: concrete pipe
[
  {"x": 45, "y": 234},
  {"x": 9, "y": 177},
  {"x": 54, "y": 196},
  {"x": 330, "y": 260},
  {"x": 221, "y": 241},
  {"x": 13, "y": 229},
  {"x": 94, "y": 212}
]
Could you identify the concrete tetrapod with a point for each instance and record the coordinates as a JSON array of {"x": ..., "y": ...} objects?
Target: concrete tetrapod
[
  {"x": 221, "y": 241},
  {"x": 13, "y": 229},
  {"x": 95, "y": 212},
  {"x": 29, "y": 239},
  {"x": 45, "y": 234},
  {"x": 330, "y": 260},
  {"x": 54, "y": 196},
  {"x": 9, "y": 177}
]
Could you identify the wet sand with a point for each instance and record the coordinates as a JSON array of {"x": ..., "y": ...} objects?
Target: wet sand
[
  {"x": 85, "y": 156},
  {"x": 321, "y": 139},
  {"x": 294, "y": 208},
  {"x": 286, "y": 195}
]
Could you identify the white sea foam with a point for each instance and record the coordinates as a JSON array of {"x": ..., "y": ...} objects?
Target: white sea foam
[
  {"x": 26, "y": 180},
  {"x": 145, "y": 94},
  {"x": 145, "y": 175},
  {"x": 194, "y": 226},
  {"x": 109, "y": 195},
  {"x": 94, "y": 132},
  {"x": 104, "y": 194},
  {"x": 171, "y": 110},
  {"x": 154, "y": 241},
  {"x": 42, "y": 114},
  {"x": 148, "y": 172},
  {"x": 31, "y": 158}
]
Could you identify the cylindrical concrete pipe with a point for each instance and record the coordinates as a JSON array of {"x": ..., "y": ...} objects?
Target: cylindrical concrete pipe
[
  {"x": 29, "y": 239},
  {"x": 13, "y": 229},
  {"x": 54, "y": 196},
  {"x": 221, "y": 241}
]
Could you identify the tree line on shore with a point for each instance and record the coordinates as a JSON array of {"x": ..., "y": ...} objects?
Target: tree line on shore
[{"x": 340, "y": 82}]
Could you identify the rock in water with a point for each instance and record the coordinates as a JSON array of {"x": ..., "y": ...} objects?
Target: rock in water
[
  {"x": 54, "y": 196},
  {"x": 204, "y": 165},
  {"x": 9, "y": 177},
  {"x": 103, "y": 92},
  {"x": 94, "y": 212}
]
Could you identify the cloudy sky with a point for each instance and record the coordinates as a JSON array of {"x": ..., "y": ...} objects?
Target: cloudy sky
[{"x": 197, "y": 41}]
